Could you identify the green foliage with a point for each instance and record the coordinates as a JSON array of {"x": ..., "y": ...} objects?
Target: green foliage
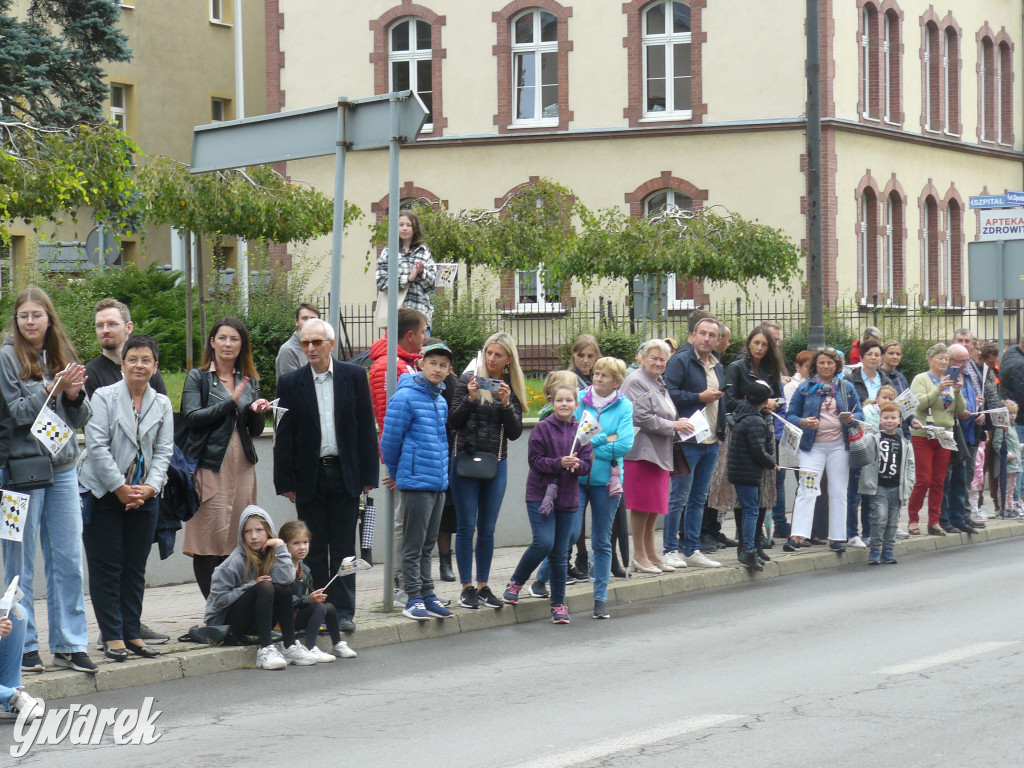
[
  {"x": 50, "y": 62},
  {"x": 462, "y": 325},
  {"x": 254, "y": 203}
]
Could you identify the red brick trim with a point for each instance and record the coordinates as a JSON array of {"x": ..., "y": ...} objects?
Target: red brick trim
[
  {"x": 379, "y": 56},
  {"x": 273, "y": 23},
  {"x": 503, "y": 56},
  {"x": 632, "y": 42},
  {"x": 690, "y": 289},
  {"x": 408, "y": 191}
]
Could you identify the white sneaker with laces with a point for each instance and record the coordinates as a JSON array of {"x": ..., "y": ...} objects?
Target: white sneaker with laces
[
  {"x": 700, "y": 560},
  {"x": 901, "y": 534},
  {"x": 321, "y": 657},
  {"x": 298, "y": 655},
  {"x": 268, "y": 657},
  {"x": 674, "y": 559},
  {"x": 342, "y": 651},
  {"x": 26, "y": 706},
  {"x": 857, "y": 543}
]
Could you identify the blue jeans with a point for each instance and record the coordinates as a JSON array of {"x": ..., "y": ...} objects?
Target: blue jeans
[
  {"x": 11, "y": 649},
  {"x": 702, "y": 460},
  {"x": 748, "y": 496},
  {"x": 551, "y": 540},
  {"x": 477, "y": 504},
  {"x": 885, "y": 513},
  {"x": 544, "y": 572},
  {"x": 55, "y": 520},
  {"x": 679, "y": 492},
  {"x": 954, "y": 499},
  {"x": 602, "y": 515}
]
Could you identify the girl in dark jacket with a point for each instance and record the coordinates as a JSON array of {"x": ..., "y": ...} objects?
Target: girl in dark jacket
[{"x": 751, "y": 452}]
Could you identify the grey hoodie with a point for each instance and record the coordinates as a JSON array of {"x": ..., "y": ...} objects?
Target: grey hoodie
[{"x": 230, "y": 579}]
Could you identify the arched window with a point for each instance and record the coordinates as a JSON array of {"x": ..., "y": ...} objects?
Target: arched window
[
  {"x": 680, "y": 292},
  {"x": 869, "y": 282},
  {"x": 870, "y": 75},
  {"x": 951, "y": 81},
  {"x": 410, "y": 60},
  {"x": 893, "y": 262},
  {"x": 988, "y": 75},
  {"x": 930, "y": 251},
  {"x": 933, "y": 75},
  {"x": 667, "y": 72},
  {"x": 893, "y": 67},
  {"x": 953, "y": 277},
  {"x": 1004, "y": 94},
  {"x": 535, "y": 68}
]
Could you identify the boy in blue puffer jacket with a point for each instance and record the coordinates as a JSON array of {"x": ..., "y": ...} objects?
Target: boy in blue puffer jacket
[{"x": 414, "y": 447}]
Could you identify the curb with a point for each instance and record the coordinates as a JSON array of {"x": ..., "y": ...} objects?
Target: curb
[{"x": 186, "y": 660}]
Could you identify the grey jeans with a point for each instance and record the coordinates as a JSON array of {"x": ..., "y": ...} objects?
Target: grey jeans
[
  {"x": 884, "y": 508},
  {"x": 421, "y": 518}
]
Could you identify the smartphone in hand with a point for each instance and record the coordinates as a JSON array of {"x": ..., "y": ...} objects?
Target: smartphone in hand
[
  {"x": 491, "y": 385},
  {"x": 953, "y": 372}
]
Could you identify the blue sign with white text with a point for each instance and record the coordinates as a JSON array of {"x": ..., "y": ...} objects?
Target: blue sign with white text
[{"x": 988, "y": 201}]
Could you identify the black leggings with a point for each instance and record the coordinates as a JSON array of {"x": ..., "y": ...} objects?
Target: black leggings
[
  {"x": 203, "y": 567},
  {"x": 259, "y": 608},
  {"x": 315, "y": 614}
]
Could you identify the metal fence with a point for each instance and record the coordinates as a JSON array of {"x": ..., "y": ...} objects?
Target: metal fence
[{"x": 542, "y": 337}]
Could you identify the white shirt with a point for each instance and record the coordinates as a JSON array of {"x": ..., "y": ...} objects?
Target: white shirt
[{"x": 324, "y": 385}]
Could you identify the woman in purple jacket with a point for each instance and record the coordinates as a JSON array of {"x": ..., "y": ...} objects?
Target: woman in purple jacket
[{"x": 552, "y": 497}]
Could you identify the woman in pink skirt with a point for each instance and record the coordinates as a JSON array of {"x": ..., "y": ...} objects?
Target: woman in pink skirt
[{"x": 648, "y": 465}]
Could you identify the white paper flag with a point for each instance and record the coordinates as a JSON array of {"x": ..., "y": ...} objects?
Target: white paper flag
[
  {"x": 445, "y": 275},
  {"x": 14, "y": 511},
  {"x": 51, "y": 431},
  {"x": 809, "y": 483},
  {"x": 1000, "y": 417},
  {"x": 701, "y": 428},
  {"x": 588, "y": 428},
  {"x": 789, "y": 443},
  {"x": 908, "y": 402},
  {"x": 11, "y": 596}
]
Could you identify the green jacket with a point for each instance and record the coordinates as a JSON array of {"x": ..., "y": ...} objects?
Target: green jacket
[{"x": 931, "y": 410}]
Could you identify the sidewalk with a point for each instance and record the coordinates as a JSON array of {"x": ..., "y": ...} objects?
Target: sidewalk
[{"x": 173, "y": 609}]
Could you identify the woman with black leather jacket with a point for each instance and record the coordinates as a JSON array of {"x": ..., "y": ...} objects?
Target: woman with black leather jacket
[{"x": 223, "y": 411}]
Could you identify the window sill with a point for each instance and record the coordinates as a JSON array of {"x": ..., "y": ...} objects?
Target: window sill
[
  {"x": 666, "y": 117},
  {"x": 533, "y": 124},
  {"x": 535, "y": 310},
  {"x": 219, "y": 23},
  {"x": 683, "y": 305}
]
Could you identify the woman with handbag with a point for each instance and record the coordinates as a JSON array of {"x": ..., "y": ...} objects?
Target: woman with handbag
[
  {"x": 38, "y": 367},
  {"x": 487, "y": 412},
  {"x": 648, "y": 465},
  {"x": 223, "y": 412},
  {"x": 417, "y": 272},
  {"x": 129, "y": 442},
  {"x": 939, "y": 402},
  {"x": 824, "y": 407}
]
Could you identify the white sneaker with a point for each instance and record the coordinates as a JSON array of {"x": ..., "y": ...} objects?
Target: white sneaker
[
  {"x": 268, "y": 657},
  {"x": 701, "y": 560},
  {"x": 26, "y": 706},
  {"x": 901, "y": 534},
  {"x": 321, "y": 657},
  {"x": 298, "y": 655},
  {"x": 342, "y": 651},
  {"x": 857, "y": 543},
  {"x": 674, "y": 559}
]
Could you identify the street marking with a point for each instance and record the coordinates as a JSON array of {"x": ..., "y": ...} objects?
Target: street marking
[
  {"x": 587, "y": 753},
  {"x": 949, "y": 657}
]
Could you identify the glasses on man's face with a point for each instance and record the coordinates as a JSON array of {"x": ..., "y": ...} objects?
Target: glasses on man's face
[
  {"x": 315, "y": 343},
  {"x": 104, "y": 326}
]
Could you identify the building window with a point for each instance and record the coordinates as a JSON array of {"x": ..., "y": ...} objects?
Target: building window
[
  {"x": 987, "y": 74},
  {"x": 892, "y": 79},
  {"x": 953, "y": 276},
  {"x": 410, "y": 61},
  {"x": 1004, "y": 91},
  {"x": 933, "y": 72},
  {"x": 217, "y": 10},
  {"x": 951, "y": 81},
  {"x": 870, "y": 75},
  {"x": 119, "y": 106},
  {"x": 868, "y": 246},
  {"x": 667, "y": 60},
  {"x": 930, "y": 251},
  {"x": 535, "y": 68},
  {"x": 893, "y": 262},
  {"x": 532, "y": 295},
  {"x": 680, "y": 292},
  {"x": 220, "y": 110}
]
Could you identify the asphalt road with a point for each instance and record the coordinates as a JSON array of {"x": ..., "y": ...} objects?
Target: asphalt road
[{"x": 918, "y": 664}]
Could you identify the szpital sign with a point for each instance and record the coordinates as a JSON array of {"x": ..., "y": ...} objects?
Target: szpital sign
[{"x": 1001, "y": 225}]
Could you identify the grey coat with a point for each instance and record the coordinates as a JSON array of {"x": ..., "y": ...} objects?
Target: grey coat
[
  {"x": 111, "y": 435},
  {"x": 25, "y": 399},
  {"x": 290, "y": 356},
  {"x": 655, "y": 414},
  {"x": 869, "y": 472}
]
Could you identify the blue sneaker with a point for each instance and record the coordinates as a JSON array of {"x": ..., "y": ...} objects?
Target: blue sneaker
[
  {"x": 873, "y": 558},
  {"x": 837, "y": 546},
  {"x": 415, "y": 609},
  {"x": 436, "y": 608}
]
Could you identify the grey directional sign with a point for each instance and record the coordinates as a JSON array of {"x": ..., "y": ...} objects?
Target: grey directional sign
[{"x": 985, "y": 274}]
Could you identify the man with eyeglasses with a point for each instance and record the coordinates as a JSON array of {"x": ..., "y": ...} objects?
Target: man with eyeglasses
[
  {"x": 113, "y": 327},
  {"x": 113, "y": 323},
  {"x": 325, "y": 456}
]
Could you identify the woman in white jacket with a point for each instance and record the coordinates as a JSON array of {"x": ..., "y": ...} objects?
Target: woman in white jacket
[{"x": 129, "y": 442}]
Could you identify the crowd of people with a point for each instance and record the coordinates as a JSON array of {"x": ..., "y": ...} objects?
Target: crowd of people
[{"x": 675, "y": 438}]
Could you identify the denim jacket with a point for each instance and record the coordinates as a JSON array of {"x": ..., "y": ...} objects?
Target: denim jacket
[{"x": 807, "y": 401}]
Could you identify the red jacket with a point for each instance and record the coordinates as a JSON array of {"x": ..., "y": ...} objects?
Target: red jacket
[{"x": 378, "y": 375}]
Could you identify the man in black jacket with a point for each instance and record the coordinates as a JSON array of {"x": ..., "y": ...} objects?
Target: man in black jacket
[{"x": 325, "y": 456}]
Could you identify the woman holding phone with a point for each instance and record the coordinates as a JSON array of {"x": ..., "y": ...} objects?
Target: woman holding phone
[{"x": 486, "y": 412}]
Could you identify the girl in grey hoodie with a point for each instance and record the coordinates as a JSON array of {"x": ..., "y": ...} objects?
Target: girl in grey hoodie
[{"x": 251, "y": 591}]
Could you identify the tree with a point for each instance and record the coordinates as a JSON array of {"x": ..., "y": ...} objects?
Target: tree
[{"x": 50, "y": 71}]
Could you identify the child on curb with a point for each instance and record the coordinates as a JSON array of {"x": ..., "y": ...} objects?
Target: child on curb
[
  {"x": 251, "y": 591},
  {"x": 886, "y": 481},
  {"x": 552, "y": 498},
  {"x": 748, "y": 458},
  {"x": 414, "y": 447},
  {"x": 1011, "y": 459},
  {"x": 311, "y": 607}
]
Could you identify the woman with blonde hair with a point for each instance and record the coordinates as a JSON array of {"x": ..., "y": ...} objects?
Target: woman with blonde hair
[
  {"x": 38, "y": 367},
  {"x": 487, "y": 412},
  {"x": 585, "y": 351}
]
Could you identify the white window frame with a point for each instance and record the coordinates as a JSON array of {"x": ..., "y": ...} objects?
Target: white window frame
[
  {"x": 890, "y": 249},
  {"x": 411, "y": 58},
  {"x": 119, "y": 115},
  {"x": 864, "y": 250},
  {"x": 670, "y": 202},
  {"x": 225, "y": 106},
  {"x": 536, "y": 49},
  {"x": 544, "y": 302},
  {"x": 928, "y": 52},
  {"x": 997, "y": 97},
  {"x": 217, "y": 12},
  {"x": 926, "y": 244},
  {"x": 865, "y": 48},
  {"x": 947, "y": 266},
  {"x": 668, "y": 40}
]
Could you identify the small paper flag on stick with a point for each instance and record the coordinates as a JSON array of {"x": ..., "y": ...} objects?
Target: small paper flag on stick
[
  {"x": 589, "y": 426},
  {"x": 349, "y": 566},
  {"x": 13, "y": 514}
]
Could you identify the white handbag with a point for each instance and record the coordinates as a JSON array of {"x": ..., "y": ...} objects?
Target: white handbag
[{"x": 380, "y": 309}]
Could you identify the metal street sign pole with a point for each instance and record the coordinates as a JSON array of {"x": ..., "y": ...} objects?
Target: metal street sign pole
[
  {"x": 1001, "y": 291},
  {"x": 337, "y": 236}
]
